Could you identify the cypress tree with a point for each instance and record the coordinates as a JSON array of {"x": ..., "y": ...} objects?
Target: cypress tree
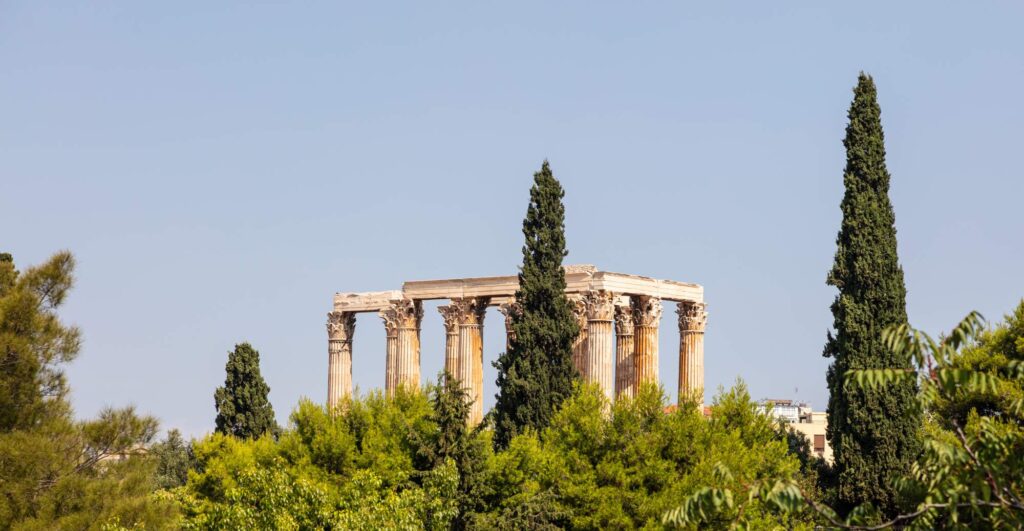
[
  {"x": 536, "y": 373},
  {"x": 243, "y": 409},
  {"x": 873, "y": 433},
  {"x": 464, "y": 446}
]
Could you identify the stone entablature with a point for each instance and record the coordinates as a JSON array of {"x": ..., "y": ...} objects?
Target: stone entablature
[
  {"x": 578, "y": 279},
  {"x": 619, "y": 316}
]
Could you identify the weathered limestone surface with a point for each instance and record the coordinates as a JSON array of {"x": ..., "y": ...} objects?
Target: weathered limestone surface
[
  {"x": 602, "y": 302},
  {"x": 471, "y": 352},
  {"x": 579, "y": 345},
  {"x": 450, "y": 314},
  {"x": 341, "y": 326},
  {"x": 408, "y": 314},
  {"x": 391, "y": 360},
  {"x": 578, "y": 279},
  {"x": 646, "y": 317},
  {"x": 599, "y": 365},
  {"x": 625, "y": 364},
  {"x": 692, "y": 320},
  {"x": 369, "y": 301}
]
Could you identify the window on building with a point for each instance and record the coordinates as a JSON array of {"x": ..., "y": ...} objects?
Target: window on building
[{"x": 819, "y": 444}]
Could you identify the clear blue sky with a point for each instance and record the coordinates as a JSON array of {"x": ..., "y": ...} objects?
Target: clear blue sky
[{"x": 221, "y": 169}]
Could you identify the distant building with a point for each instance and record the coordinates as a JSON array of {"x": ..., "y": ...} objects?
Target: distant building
[{"x": 802, "y": 419}]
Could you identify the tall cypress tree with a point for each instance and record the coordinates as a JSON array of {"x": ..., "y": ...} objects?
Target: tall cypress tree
[
  {"x": 243, "y": 409},
  {"x": 873, "y": 433},
  {"x": 536, "y": 374}
]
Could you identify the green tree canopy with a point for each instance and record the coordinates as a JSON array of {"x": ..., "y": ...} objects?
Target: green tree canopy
[
  {"x": 55, "y": 472},
  {"x": 623, "y": 467},
  {"x": 34, "y": 344},
  {"x": 454, "y": 441},
  {"x": 536, "y": 374},
  {"x": 874, "y": 434},
  {"x": 969, "y": 474},
  {"x": 243, "y": 408}
]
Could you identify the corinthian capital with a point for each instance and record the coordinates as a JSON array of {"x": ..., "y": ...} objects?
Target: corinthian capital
[
  {"x": 510, "y": 310},
  {"x": 391, "y": 319},
  {"x": 471, "y": 310},
  {"x": 623, "y": 320},
  {"x": 579, "y": 309},
  {"x": 341, "y": 326},
  {"x": 600, "y": 305},
  {"x": 692, "y": 316},
  {"x": 407, "y": 313},
  {"x": 646, "y": 310},
  {"x": 450, "y": 313}
]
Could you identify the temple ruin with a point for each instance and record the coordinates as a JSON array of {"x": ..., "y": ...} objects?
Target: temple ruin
[{"x": 603, "y": 301}]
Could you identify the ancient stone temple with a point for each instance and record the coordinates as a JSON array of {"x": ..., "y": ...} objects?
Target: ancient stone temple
[{"x": 617, "y": 348}]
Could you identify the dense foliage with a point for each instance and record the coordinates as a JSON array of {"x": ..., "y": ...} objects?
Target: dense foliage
[
  {"x": 361, "y": 468},
  {"x": 536, "y": 374},
  {"x": 873, "y": 433},
  {"x": 406, "y": 462},
  {"x": 243, "y": 408},
  {"x": 969, "y": 475},
  {"x": 455, "y": 443},
  {"x": 34, "y": 344},
  {"x": 56, "y": 473}
]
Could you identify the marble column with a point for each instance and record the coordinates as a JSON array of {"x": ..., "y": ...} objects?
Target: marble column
[
  {"x": 625, "y": 380},
  {"x": 471, "y": 352},
  {"x": 407, "y": 314},
  {"x": 692, "y": 319},
  {"x": 646, "y": 317},
  {"x": 579, "y": 345},
  {"x": 511, "y": 310},
  {"x": 599, "y": 362},
  {"x": 390, "y": 318},
  {"x": 341, "y": 326},
  {"x": 450, "y": 314}
]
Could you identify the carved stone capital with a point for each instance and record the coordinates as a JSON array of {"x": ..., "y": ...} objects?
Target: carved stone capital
[
  {"x": 600, "y": 305},
  {"x": 450, "y": 313},
  {"x": 579, "y": 309},
  {"x": 408, "y": 313},
  {"x": 646, "y": 310},
  {"x": 510, "y": 310},
  {"x": 341, "y": 326},
  {"x": 693, "y": 316},
  {"x": 623, "y": 320},
  {"x": 471, "y": 310},
  {"x": 390, "y": 317}
]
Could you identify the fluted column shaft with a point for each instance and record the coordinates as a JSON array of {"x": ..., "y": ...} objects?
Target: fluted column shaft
[
  {"x": 341, "y": 327},
  {"x": 579, "y": 345},
  {"x": 391, "y": 351},
  {"x": 450, "y": 314},
  {"x": 408, "y": 362},
  {"x": 625, "y": 379},
  {"x": 471, "y": 352},
  {"x": 408, "y": 314},
  {"x": 599, "y": 365},
  {"x": 646, "y": 318},
  {"x": 692, "y": 320}
]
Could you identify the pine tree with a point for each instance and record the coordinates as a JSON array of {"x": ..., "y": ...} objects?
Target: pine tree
[
  {"x": 243, "y": 409},
  {"x": 536, "y": 374},
  {"x": 57, "y": 472},
  {"x": 34, "y": 343},
  {"x": 873, "y": 433}
]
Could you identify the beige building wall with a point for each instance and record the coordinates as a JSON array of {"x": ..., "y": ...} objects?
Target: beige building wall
[{"x": 815, "y": 433}]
